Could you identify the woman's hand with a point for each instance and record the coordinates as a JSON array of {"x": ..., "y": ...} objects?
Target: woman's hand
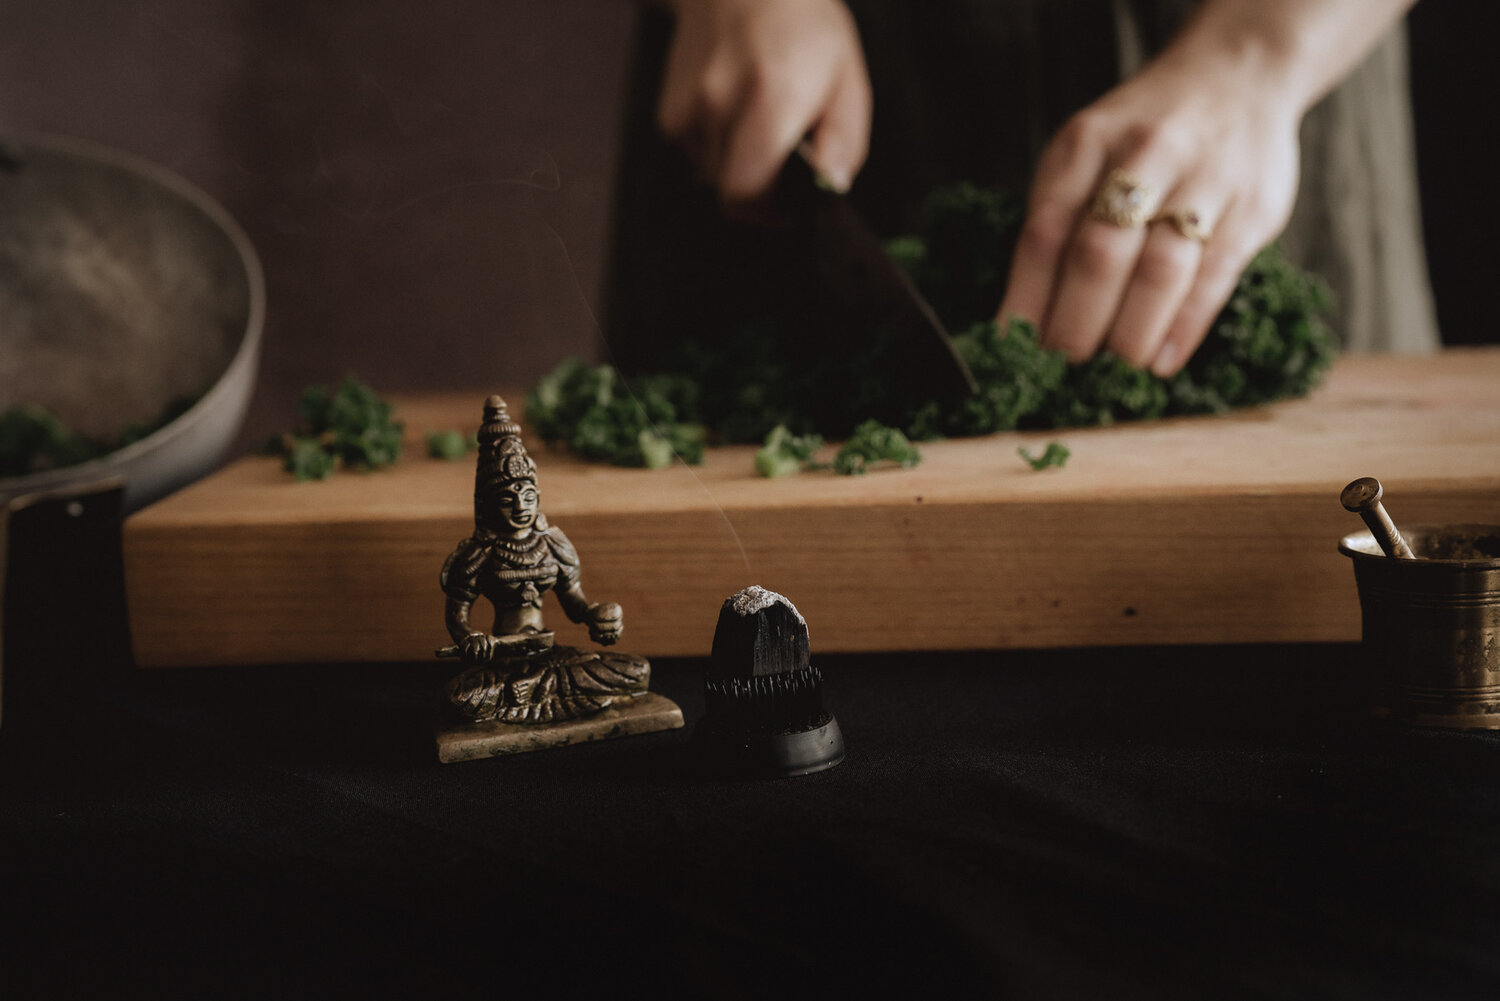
[
  {"x": 1205, "y": 140},
  {"x": 1203, "y": 147},
  {"x": 748, "y": 80}
]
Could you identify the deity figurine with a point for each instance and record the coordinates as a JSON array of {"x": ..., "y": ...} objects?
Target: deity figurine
[{"x": 516, "y": 674}]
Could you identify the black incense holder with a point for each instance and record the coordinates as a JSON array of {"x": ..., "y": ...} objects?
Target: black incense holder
[{"x": 764, "y": 698}]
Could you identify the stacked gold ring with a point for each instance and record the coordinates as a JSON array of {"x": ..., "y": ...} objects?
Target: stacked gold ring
[
  {"x": 1124, "y": 200},
  {"x": 1187, "y": 223}
]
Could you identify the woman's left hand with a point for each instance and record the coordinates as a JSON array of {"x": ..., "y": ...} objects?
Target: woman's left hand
[{"x": 1201, "y": 157}]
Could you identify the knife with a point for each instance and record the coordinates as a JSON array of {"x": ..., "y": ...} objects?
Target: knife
[{"x": 854, "y": 264}]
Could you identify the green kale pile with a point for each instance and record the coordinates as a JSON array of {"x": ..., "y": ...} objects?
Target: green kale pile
[
  {"x": 1270, "y": 341},
  {"x": 347, "y": 427},
  {"x": 599, "y": 417}
]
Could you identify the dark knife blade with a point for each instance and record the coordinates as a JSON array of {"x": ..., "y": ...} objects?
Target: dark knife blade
[{"x": 854, "y": 263}]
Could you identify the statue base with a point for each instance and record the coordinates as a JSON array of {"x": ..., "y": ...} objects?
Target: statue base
[{"x": 645, "y": 713}]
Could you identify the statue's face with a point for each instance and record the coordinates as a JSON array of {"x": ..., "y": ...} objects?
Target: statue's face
[{"x": 515, "y": 505}]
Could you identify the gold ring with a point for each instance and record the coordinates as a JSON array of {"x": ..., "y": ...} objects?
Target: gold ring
[
  {"x": 1188, "y": 223},
  {"x": 1124, "y": 200}
]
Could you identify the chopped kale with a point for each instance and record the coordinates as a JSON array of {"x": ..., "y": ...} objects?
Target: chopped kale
[
  {"x": 659, "y": 445},
  {"x": 1103, "y": 390},
  {"x": 746, "y": 384},
  {"x": 562, "y": 396},
  {"x": 592, "y": 410},
  {"x": 872, "y": 444},
  {"x": 307, "y": 459},
  {"x": 1055, "y": 454},
  {"x": 1270, "y": 341},
  {"x": 785, "y": 453},
  {"x": 347, "y": 427},
  {"x": 450, "y": 444},
  {"x": 1016, "y": 377}
]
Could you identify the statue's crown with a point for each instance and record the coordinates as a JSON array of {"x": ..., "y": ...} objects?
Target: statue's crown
[{"x": 502, "y": 455}]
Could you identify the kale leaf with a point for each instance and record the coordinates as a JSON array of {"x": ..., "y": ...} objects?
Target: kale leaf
[
  {"x": 450, "y": 444},
  {"x": 1055, "y": 454},
  {"x": 785, "y": 453},
  {"x": 872, "y": 444}
]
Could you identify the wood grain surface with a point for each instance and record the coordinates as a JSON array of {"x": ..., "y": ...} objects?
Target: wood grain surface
[{"x": 1186, "y": 530}]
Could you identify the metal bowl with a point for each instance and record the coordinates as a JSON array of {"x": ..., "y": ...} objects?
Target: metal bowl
[{"x": 122, "y": 289}]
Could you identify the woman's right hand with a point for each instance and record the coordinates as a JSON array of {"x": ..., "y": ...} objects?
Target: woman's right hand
[
  {"x": 1195, "y": 138},
  {"x": 748, "y": 80},
  {"x": 1201, "y": 147}
]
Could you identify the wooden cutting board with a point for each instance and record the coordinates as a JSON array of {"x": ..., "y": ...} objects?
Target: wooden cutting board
[{"x": 1188, "y": 530}]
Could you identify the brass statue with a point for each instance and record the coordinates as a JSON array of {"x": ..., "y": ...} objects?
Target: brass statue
[{"x": 514, "y": 557}]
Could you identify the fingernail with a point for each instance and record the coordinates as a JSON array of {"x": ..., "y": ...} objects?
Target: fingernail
[{"x": 1165, "y": 364}]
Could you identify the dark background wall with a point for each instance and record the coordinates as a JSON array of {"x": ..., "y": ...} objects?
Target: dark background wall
[{"x": 428, "y": 185}]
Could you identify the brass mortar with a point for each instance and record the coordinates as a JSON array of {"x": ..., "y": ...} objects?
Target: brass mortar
[{"x": 1431, "y": 624}]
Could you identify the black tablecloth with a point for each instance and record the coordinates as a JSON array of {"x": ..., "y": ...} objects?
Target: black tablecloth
[{"x": 1189, "y": 822}]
